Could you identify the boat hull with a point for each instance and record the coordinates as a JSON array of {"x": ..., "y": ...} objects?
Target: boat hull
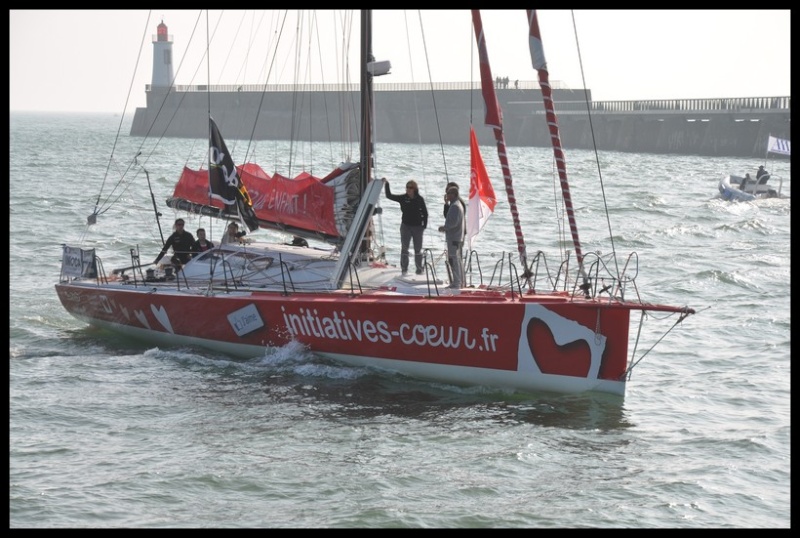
[
  {"x": 730, "y": 189},
  {"x": 528, "y": 343}
]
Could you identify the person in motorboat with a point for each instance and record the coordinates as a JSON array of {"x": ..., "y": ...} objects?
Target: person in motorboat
[
  {"x": 182, "y": 243},
  {"x": 413, "y": 222},
  {"x": 202, "y": 244},
  {"x": 762, "y": 176},
  {"x": 747, "y": 179},
  {"x": 454, "y": 236},
  {"x": 232, "y": 234}
]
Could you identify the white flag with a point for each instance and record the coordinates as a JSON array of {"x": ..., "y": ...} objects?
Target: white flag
[{"x": 779, "y": 145}]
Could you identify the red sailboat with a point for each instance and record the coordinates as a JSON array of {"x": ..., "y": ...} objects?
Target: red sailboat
[{"x": 347, "y": 303}]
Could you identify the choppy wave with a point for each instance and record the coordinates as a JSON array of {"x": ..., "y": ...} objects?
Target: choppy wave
[{"x": 108, "y": 432}]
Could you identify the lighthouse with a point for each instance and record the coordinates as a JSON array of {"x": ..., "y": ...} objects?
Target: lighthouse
[{"x": 162, "y": 57}]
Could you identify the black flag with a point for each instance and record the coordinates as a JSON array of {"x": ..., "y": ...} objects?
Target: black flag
[{"x": 224, "y": 183}]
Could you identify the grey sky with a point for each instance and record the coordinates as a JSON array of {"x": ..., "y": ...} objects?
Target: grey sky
[{"x": 85, "y": 60}]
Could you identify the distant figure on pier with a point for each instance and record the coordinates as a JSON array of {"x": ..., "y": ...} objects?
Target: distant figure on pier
[{"x": 516, "y": 84}]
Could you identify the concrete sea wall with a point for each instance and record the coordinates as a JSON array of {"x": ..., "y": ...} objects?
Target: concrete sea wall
[{"x": 713, "y": 127}]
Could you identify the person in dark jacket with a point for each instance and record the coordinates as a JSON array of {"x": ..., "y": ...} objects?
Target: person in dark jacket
[
  {"x": 202, "y": 244},
  {"x": 182, "y": 243},
  {"x": 413, "y": 222},
  {"x": 762, "y": 176}
]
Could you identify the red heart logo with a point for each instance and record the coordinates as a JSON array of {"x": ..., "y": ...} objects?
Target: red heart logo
[{"x": 574, "y": 358}]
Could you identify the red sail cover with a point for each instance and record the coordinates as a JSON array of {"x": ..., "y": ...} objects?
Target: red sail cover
[{"x": 304, "y": 202}]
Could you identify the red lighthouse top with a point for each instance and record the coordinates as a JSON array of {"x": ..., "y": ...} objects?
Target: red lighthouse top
[{"x": 161, "y": 32}]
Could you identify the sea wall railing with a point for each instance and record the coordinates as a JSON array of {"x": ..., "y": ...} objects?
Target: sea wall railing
[
  {"x": 378, "y": 86},
  {"x": 719, "y": 104}
]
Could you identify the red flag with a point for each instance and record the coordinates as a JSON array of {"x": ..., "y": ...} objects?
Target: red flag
[{"x": 481, "y": 193}]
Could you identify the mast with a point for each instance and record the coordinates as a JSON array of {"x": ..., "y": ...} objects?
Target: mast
[
  {"x": 366, "y": 98},
  {"x": 540, "y": 64},
  {"x": 494, "y": 119}
]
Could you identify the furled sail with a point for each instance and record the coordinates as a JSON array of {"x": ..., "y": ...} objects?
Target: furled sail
[{"x": 306, "y": 205}]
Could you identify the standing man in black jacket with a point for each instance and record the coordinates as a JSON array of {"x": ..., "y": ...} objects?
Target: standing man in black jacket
[{"x": 413, "y": 223}]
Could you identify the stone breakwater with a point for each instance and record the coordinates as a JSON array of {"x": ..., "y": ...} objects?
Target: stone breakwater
[{"x": 736, "y": 127}]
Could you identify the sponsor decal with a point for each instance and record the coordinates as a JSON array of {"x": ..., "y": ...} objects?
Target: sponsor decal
[
  {"x": 142, "y": 318},
  {"x": 160, "y": 314},
  {"x": 71, "y": 262},
  {"x": 552, "y": 344},
  {"x": 339, "y": 327},
  {"x": 245, "y": 320},
  {"x": 77, "y": 262}
]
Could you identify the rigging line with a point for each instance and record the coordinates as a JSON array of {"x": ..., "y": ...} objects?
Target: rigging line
[
  {"x": 633, "y": 364},
  {"x": 594, "y": 142},
  {"x": 315, "y": 29},
  {"x": 348, "y": 105},
  {"x": 558, "y": 204},
  {"x": 471, "y": 73},
  {"x": 297, "y": 94},
  {"x": 158, "y": 113},
  {"x": 264, "y": 92},
  {"x": 122, "y": 118},
  {"x": 433, "y": 97},
  {"x": 310, "y": 151},
  {"x": 416, "y": 104},
  {"x": 239, "y": 76},
  {"x": 354, "y": 133},
  {"x": 123, "y": 175},
  {"x": 313, "y": 35}
]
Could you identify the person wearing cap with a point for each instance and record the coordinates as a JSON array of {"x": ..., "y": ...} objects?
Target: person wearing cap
[
  {"x": 762, "y": 176},
  {"x": 460, "y": 200},
  {"x": 454, "y": 236}
]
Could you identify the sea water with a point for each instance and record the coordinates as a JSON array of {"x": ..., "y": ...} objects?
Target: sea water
[{"x": 108, "y": 432}]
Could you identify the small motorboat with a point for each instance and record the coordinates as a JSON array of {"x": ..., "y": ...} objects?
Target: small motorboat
[{"x": 744, "y": 189}]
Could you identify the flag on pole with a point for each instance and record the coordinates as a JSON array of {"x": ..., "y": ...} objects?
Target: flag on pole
[
  {"x": 224, "y": 183},
  {"x": 779, "y": 146},
  {"x": 481, "y": 193}
]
